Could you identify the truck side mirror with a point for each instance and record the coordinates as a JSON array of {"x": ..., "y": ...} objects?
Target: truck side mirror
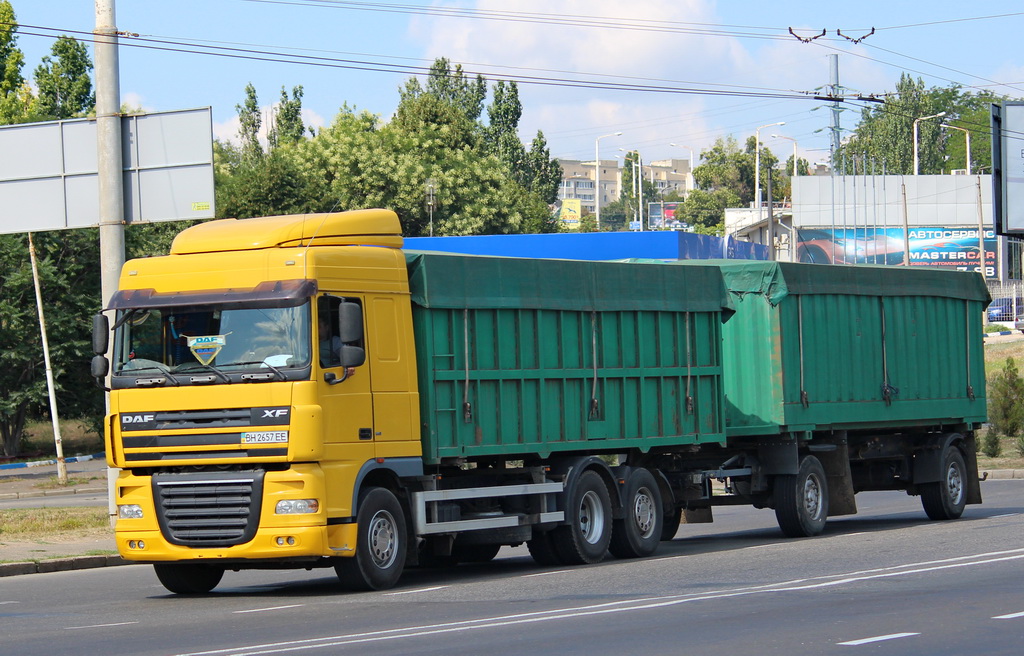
[
  {"x": 100, "y": 367},
  {"x": 352, "y": 356},
  {"x": 350, "y": 322},
  {"x": 100, "y": 334}
]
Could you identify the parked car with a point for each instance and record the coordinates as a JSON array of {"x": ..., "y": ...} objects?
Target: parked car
[
  {"x": 1005, "y": 308},
  {"x": 1018, "y": 324}
]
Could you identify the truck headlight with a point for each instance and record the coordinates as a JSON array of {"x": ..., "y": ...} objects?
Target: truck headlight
[
  {"x": 129, "y": 511},
  {"x": 297, "y": 507}
]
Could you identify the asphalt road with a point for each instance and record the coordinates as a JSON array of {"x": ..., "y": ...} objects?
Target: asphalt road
[{"x": 886, "y": 581}]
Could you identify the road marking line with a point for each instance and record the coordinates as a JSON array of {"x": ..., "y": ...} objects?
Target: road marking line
[
  {"x": 98, "y": 626},
  {"x": 1002, "y": 516},
  {"x": 405, "y": 592},
  {"x": 1011, "y": 616},
  {"x": 263, "y": 610},
  {"x": 622, "y": 606},
  {"x": 9, "y": 602},
  {"x": 864, "y": 641},
  {"x": 557, "y": 571}
]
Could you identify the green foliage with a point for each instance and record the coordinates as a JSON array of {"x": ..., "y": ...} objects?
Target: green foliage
[
  {"x": 886, "y": 132},
  {"x": 1018, "y": 444},
  {"x": 15, "y": 96},
  {"x": 251, "y": 120},
  {"x": 990, "y": 444},
  {"x": 1006, "y": 401},
  {"x": 65, "y": 90},
  {"x": 288, "y": 128}
]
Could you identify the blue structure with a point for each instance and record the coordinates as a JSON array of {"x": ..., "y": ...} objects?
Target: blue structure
[{"x": 658, "y": 245}]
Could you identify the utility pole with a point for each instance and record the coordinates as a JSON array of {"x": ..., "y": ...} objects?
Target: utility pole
[
  {"x": 109, "y": 166},
  {"x": 834, "y": 90},
  {"x": 108, "y": 149}
]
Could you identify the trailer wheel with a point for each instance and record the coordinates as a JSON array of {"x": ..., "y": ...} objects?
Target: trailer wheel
[
  {"x": 380, "y": 546},
  {"x": 801, "y": 501},
  {"x": 542, "y": 549},
  {"x": 475, "y": 553},
  {"x": 589, "y": 512},
  {"x": 189, "y": 579},
  {"x": 638, "y": 533},
  {"x": 670, "y": 524},
  {"x": 947, "y": 498}
]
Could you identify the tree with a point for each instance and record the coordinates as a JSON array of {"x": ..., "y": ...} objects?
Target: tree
[
  {"x": 65, "y": 89},
  {"x": 250, "y": 120},
  {"x": 704, "y": 210},
  {"x": 15, "y": 96},
  {"x": 452, "y": 87},
  {"x": 1006, "y": 402},
  {"x": 288, "y": 128}
]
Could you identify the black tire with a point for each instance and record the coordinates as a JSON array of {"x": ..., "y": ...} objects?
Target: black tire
[
  {"x": 589, "y": 514},
  {"x": 801, "y": 501},
  {"x": 946, "y": 499},
  {"x": 542, "y": 549},
  {"x": 380, "y": 546},
  {"x": 639, "y": 531},
  {"x": 475, "y": 553},
  {"x": 189, "y": 579},
  {"x": 670, "y": 524}
]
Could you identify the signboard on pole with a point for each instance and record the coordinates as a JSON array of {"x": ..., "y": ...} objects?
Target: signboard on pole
[
  {"x": 1008, "y": 167},
  {"x": 49, "y": 180}
]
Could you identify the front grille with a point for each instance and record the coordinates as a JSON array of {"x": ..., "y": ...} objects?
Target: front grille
[{"x": 210, "y": 509}]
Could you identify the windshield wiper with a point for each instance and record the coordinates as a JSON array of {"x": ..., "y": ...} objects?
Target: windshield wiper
[
  {"x": 223, "y": 376},
  {"x": 262, "y": 363}
]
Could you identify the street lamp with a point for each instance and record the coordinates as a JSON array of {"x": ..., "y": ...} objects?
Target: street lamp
[
  {"x": 781, "y": 136},
  {"x": 757, "y": 168},
  {"x": 917, "y": 161},
  {"x": 597, "y": 175},
  {"x": 967, "y": 136},
  {"x": 691, "y": 160}
]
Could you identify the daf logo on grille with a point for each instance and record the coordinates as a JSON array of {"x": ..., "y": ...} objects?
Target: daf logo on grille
[{"x": 137, "y": 419}]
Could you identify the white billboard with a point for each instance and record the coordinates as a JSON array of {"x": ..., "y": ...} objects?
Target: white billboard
[{"x": 49, "y": 180}]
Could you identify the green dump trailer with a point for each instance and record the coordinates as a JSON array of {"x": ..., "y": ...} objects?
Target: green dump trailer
[{"x": 843, "y": 379}]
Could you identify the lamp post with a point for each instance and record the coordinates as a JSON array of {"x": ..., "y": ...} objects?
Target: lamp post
[
  {"x": 597, "y": 176},
  {"x": 917, "y": 161},
  {"x": 967, "y": 136},
  {"x": 782, "y": 136},
  {"x": 757, "y": 169},
  {"x": 691, "y": 157}
]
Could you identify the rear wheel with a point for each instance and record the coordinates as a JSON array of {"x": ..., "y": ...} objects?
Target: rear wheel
[
  {"x": 475, "y": 553},
  {"x": 542, "y": 549},
  {"x": 189, "y": 579},
  {"x": 380, "y": 546},
  {"x": 947, "y": 498},
  {"x": 589, "y": 513},
  {"x": 801, "y": 501},
  {"x": 670, "y": 524},
  {"x": 638, "y": 533}
]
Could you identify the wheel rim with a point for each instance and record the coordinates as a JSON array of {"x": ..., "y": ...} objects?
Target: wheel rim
[
  {"x": 644, "y": 512},
  {"x": 382, "y": 540},
  {"x": 954, "y": 484},
  {"x": 812, "y": 496},
  {"x": 591, "y": 517}
]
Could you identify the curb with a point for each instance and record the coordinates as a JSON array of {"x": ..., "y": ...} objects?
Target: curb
[
  {"x": 8, "y": 496},
  {"x": 44, "y": 463},
  {"x": 1002, "y": 332},
  {"x": 60, "y": 565},
  {"x": 1004, "y": 474}
]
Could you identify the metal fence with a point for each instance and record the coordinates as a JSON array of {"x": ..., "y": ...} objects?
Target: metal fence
[{"x": 1007, "y": 301}]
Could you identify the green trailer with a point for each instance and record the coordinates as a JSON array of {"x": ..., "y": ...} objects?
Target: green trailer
[
  {"x": 527, "y": 359},
  {"x": 843, "y": 379}
]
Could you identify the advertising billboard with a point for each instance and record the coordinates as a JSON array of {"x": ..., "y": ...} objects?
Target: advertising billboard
[
  {"x": 571, "y": 212},
  {"x": 936, "y": 246}
]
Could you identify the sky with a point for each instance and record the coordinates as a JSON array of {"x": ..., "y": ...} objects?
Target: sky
[{"x": 703, "y": 69}]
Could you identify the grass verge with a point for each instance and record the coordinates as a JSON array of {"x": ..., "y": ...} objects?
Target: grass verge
[{"x": 36, "y": 524}]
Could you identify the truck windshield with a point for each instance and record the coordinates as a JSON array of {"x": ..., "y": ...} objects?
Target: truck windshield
[{"x": 226, "y": 343}]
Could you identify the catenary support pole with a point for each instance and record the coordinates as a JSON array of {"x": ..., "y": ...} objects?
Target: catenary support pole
[{"x": 62, "y": 467}]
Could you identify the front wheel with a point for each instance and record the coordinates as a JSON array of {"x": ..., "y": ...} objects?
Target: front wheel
[
  {"x": 189, "y": 579},
  {"x": 589, "y": 512},
  {"x": 947, "y": 498},
  {"x": 380, "y": 546},
  {"x": 638, "y": 533},
  {"x": 801, "y": 501}
]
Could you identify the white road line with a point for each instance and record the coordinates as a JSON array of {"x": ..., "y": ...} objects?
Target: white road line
[
  {"x": 557, "y": 571},
  {"x": 98, "y": 626},
  {"x": 9, "y": 602},
  {"x": 622, "y": 606},
  {"x": 407, "y": 592},
  {"x": 864, "y": 641},
  {"x": 1011, "y": 616},
  {"x": 1003, "y": 516},
  {"x": 263, "y": 610}
]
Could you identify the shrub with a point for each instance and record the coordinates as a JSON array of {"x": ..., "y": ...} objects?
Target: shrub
[
  {"x": 1006, "y": 402},
  {"x": 990, "y": 445}
]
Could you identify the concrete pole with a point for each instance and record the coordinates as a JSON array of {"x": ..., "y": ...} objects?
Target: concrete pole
[{"x": 108, "y": 156}]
